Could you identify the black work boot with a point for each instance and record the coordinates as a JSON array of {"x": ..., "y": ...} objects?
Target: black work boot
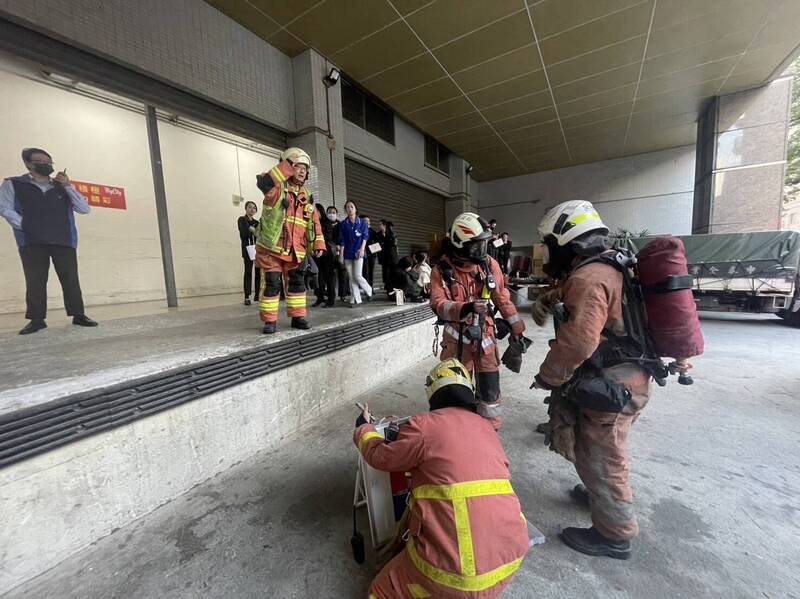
[
  {"x": 83, "y": 321},
  {"x": 591, "y": 542},
  {"x": 580, "y": 495},
  {"x": 269, "y": 328},
  {"x": 298, "y": 322},
  {"x": 34, "y": 325}
]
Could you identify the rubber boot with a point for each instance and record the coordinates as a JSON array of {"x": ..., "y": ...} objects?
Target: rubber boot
[
  {"x": 269, "y": 328},
  {"x": 298, "y": 322},
  {"x": 591, "y": 542}
]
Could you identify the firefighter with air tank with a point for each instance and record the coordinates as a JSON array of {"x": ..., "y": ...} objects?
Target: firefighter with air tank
[{"x": 600, "y": 365}]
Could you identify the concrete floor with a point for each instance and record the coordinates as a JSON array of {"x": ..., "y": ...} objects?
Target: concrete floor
[
  {"x": 715, "y": 473},
  {"x": 140, "y": 339}
]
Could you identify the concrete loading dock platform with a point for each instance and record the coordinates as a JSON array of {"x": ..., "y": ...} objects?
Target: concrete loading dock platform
[{"x": 714, "y": 472}]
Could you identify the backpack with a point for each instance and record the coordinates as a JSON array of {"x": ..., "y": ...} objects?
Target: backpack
[{"x": 658, "y": 310}]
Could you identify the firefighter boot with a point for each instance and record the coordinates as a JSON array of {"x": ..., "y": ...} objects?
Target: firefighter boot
[
  {"x": 298, "y": 322},
  {"x": 270, "y": 327},
  {"x": 591, "y": 542},
  {"x": 580, "y": 495}
]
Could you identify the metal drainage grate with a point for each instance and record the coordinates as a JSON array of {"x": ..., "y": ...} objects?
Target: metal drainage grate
[{"x": 28, "y": 432}]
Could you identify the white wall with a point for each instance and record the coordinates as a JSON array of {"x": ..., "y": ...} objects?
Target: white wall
[
  {"x": 118, "y": 250},
  {"x": 405, "y": 159},
  {"x": 647, "y": 191}
]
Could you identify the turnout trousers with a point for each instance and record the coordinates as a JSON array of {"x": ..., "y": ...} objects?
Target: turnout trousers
[
  {"x": 602, "y": 460},
  {"x": 277, "y": 272}
]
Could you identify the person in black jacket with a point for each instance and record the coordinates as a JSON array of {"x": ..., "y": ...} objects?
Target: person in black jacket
[
  {"x": 326, "y": 291},
  {"x": 504, "y": 253},
  {"x": 403, "y": 276},
  {"x": 388, "y": 256},
  {"x": 247, "y": 234}
]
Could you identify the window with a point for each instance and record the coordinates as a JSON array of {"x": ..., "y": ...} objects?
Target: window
[
  {"x": 363, "y": 110},
  {"x": 437, "y": 156}
]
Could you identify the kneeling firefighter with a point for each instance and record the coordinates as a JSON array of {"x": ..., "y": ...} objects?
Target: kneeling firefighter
[
  {"x": 594, "y": 400},
  {"x": 289, "y": 225},
  {"x": 462, "y": 284},
  {"x": 466, "y": 533}
]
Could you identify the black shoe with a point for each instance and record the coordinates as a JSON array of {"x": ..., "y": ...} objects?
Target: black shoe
[
  {"x": 298, "y": 322},
  {"x": 33, "y": 326},
  {"x": 247, "y": 301},
  {"x": 580, "y": 495},
  {"x": 269, "y": 328},
  {"x": 319, "y": 302},
  {"x": 591, "y": 542},
  {"x": 543, "y": 428},
  {"x": 328, "y": 305},
  {"x": 83, "y": 321}
]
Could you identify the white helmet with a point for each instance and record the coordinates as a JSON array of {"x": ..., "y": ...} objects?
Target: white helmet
[
  {"x": 469, "y": 227},
  {"x": 295, "y": 155},
  {"x": 570, "y": 220}
]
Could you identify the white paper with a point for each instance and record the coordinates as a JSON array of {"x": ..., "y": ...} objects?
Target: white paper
[
  {"x": 498, "y": 242},
  {"x": 251, "y": 251},
  {"x": 375, "y": 248}
]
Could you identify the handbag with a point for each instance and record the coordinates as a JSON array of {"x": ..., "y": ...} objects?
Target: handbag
[{"x": 251, "y": 251}]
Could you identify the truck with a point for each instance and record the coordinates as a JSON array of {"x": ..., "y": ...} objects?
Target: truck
[{"x": 753, "y": 272}]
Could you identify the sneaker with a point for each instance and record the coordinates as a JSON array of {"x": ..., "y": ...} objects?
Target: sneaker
[{"x": 247, "y": 301}]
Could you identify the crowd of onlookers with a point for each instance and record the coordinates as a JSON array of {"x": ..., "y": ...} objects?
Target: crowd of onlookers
[{"x": 353, "y": 248}]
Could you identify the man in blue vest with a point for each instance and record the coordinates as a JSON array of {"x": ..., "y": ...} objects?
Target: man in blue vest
[{"x": 40, "y": 210}]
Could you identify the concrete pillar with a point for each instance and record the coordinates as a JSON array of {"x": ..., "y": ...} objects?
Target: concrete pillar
[
  {"x": 741, "y": 158},
  {"x": 460, "y": 190},
  {"x": 318, "y": 114}
]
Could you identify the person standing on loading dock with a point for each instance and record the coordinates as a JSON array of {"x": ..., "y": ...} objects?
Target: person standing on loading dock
[
  {"x": 40, "y": 210},
  {"x": 353, "y": 235},
  {"x": 247, "y": 234}
]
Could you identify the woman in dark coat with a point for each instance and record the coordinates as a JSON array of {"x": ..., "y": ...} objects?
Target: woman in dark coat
[{"x": 247, "y": 234}]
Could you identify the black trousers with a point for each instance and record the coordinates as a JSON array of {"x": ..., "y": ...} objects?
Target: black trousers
[
  {"x": 368, "y": 269},
  {"x": 248, "y": 277},
  {"x": 36, "y": 266},
  {"x": 327, "y": 280}
]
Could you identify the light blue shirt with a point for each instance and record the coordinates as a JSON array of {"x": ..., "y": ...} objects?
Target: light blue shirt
[{"x": 9, "y": 208}]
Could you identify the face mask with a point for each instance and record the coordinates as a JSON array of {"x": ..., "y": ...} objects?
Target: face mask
[
  {"x": 43, "y": 169},
  {"x": 332, "y": 216}
]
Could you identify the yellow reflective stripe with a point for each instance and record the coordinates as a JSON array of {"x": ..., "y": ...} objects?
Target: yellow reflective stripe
[
  {"x": 418, "y": 591},
  {"x": 479, "y": 582},
  {"x": 466, "y": 551},
  {"x": 296, "y": 300},
  {"x": 476, "y": 488},
  {"x": 366, "y": 437},
  {"x": 276, "y": 170},
  {"x": 576, "y": 220},
  {"x": 268, "y": 305},
  {"x": 296, "y": 220}
]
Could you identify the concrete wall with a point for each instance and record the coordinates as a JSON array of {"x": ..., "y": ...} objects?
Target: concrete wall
[
  {"x": 57, "y": 503},
  {"x": 647, "y": 191},
  {"x": 405, "y": 159},
  {"x": 118, "y": 250},
  {"x": 187, "y": 43}
]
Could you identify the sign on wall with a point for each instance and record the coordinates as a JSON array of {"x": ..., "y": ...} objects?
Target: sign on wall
[{"x": 102, "y": 196}]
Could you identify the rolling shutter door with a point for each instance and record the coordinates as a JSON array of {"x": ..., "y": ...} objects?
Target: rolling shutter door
[{"x": 415, "y": 212}]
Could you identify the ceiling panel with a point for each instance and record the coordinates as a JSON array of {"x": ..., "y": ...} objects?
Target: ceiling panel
[
  {"x": 554, "y": 16},
  {"x": 436, "y": 26},
  {"x": 501, "y": 68},
  {"x": 617, "y": 55},
  {"x": 524, "y": 85},
  {"x": 493, "y": 100},
  {"x": 503, "y": 36},
  {"x": 404, "y": 77},
  {"x": 378, "y": 52},
  {"x": 332, "y": 26},
  {"x": 614, "y": 28}
]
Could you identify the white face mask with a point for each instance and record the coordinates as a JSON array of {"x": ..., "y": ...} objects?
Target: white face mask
[{"x": 332, "y": 216}]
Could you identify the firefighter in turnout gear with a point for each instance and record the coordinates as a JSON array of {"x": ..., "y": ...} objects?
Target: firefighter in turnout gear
[
  {"x": 288, "y": 230},
  {"x": 466, "y": 533},
  {"x": 463, "y": 284},
  {"x": 593, "y": 402}
]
